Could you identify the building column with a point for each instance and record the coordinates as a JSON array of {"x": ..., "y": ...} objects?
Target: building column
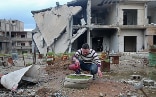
[
  {"x": 146, "y": 9},
  {"x": 88, "y": 21},
  {"x": 10, "y": 31},
  {"x": 69, "y": 27},
  {"x": 117, "y": 13}
]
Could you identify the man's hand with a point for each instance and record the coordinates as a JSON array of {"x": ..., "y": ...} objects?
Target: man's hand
[
  {"x": 76, "y": 61},
  {"x": 99, "y": 72}
]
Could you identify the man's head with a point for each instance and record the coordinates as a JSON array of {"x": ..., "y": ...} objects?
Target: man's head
[{"x": 85, "y": 49}]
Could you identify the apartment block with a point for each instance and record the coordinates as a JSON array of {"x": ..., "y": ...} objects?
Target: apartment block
[{"x": 13, "y": 38}]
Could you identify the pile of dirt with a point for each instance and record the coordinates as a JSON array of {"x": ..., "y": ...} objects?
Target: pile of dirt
[{"x": 59, "y": 65}]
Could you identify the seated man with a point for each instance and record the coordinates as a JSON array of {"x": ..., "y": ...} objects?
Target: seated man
[{"x": 88, "y": 60}]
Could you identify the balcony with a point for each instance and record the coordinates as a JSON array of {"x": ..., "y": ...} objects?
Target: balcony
[
  {"x": 23, "y": 47},
  {"x": 136, "y": 26},
  {"x": 21, "y": 39},
  {"x": 4, "y": 39}
]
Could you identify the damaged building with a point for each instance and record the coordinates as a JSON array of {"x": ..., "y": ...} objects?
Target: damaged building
[
  {"x": 106, "y": 25},
  {"x": 13, "y": 38}
]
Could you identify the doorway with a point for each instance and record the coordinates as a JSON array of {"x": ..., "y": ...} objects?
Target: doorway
[
  {"x": 130, "y": 43},
  {"x": 97, "y": 44},
  {"x": 154, "y": 40}
]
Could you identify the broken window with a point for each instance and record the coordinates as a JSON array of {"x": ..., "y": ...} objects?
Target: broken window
[
  {"x": 1, "y": 33},
  {"x": 24, "y": 51},
  {"x": 13, "y": 44},
  {"x": 149, "y": 19},
  {"x": 18, "y": 44},
  {"x": 7, "y": 34},
  {"x": 129, "y": 17},
  {"x": 30, "y": 43},
  {"x": 22, "y": 36},
  {"x": 13, "y": 21},
  {"x": 22, "y": 44},
  {"x": 12, "y": 36},
  {"x": 98, "y": 16}
]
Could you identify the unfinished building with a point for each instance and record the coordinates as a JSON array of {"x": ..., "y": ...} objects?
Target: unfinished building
[
  {"x": 106, "y": 25},
  {"x": 13, "y": 38}
]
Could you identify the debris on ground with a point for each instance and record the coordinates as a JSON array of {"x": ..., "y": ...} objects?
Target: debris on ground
[{"x": 118, "y": 82}]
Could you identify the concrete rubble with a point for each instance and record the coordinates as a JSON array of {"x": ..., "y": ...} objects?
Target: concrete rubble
[
  {"x": 11, "y": 80},
  {"x": 48, "y": 31},
  {"x": 128, "y": 72}
]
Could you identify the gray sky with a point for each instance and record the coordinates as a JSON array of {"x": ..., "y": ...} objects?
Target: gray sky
[{"x": 21, "y": 9}]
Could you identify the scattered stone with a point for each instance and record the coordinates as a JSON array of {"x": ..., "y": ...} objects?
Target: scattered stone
[
  {"x": 135, "y": 77},
  {"x": 101, "y": 95},
  {"x": 148, "y": 83}
]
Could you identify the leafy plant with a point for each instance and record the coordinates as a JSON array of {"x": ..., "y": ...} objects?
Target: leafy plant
[
  {"x": 106, "y": 60},
  {"x": 6, "y": 55},
  {"x": 50, "y": 53}
]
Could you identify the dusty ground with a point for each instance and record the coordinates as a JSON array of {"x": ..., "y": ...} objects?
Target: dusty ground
[
  {"x": 100, "y": 86},
  {"x": 110, "y": 85}
]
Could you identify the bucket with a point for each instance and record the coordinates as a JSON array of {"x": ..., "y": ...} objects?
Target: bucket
[{"x": 105, "y": 66}]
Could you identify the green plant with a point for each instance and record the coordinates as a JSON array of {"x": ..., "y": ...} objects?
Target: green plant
[
  {"x": 5, "y": 55},
  {"x": 71, "y": 54},
  {"x": 59, "y": 54},
  {"x": 1, "y": 54},
  {"x": 50, "y": 53},
  {"x": 106, "y": 60}
]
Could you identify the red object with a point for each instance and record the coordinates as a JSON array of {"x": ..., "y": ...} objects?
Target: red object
[{"x": 74, "y": 67}]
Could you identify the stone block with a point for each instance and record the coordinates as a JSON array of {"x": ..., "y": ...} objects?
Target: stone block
[
  {"x": 136, "y": 77},
  {"x": 148, "y": 83}
]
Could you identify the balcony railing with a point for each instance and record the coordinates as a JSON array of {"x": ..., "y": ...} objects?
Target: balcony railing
[
  {"x": 21, "y": 39},
  {"x": 23, "y": 47}
]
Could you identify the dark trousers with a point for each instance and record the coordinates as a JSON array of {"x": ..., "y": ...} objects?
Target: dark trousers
[{"x": 93, "y": 68}]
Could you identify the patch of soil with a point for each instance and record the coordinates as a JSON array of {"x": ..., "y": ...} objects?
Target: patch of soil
[
  {"x": 102, "y": 89},
  {"x": 44, "y": 92},
  {"x": 99, "y": 87},
  {"x": 58, "y": 65}
]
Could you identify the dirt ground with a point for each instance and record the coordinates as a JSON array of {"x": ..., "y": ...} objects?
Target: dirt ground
[
  {"x": 51, "y": 82},
  {"x": 100, "y": 86}
]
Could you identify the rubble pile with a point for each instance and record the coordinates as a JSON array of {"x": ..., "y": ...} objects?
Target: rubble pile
[{"x": 119, "y": 81}]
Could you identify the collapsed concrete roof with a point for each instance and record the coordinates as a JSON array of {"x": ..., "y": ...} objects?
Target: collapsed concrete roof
[{"x": 52, "y": 22}]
